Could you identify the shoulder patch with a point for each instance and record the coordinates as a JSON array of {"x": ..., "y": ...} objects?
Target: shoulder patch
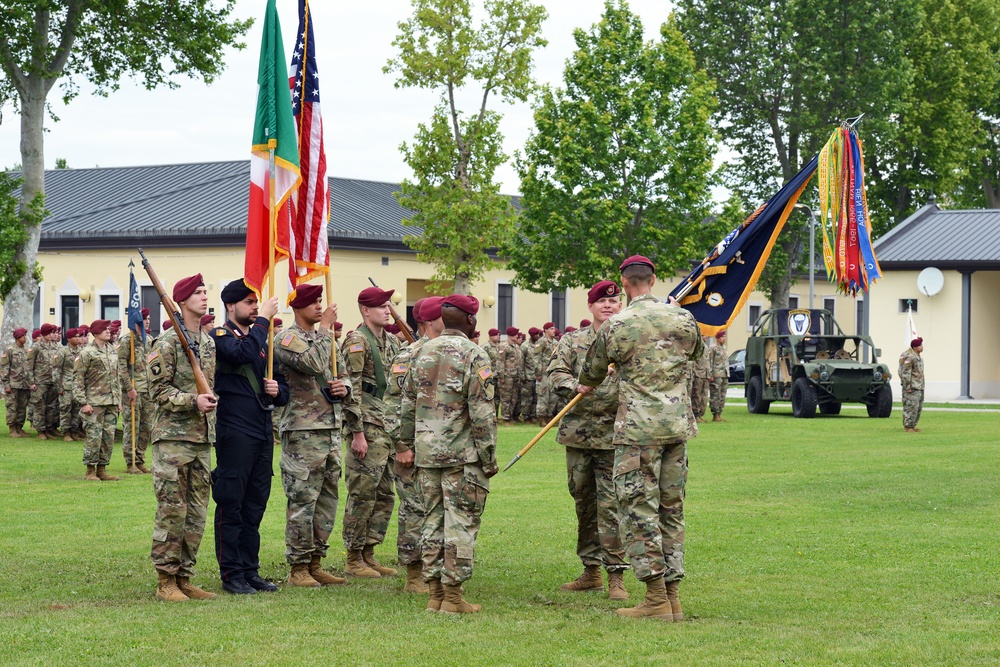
[
  {"x": 220, "y": 332},
  {"x": 357, "y": 347},
  {"x": 287, "y": 338},
  {"x": 485, "y": 373},
  {"x": 152, "y": 355},
  {"x": 399, "y": 369}
]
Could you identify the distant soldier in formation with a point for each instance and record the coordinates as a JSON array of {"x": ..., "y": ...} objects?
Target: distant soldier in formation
[
  {"x": 182, "y": 437},
  {"x": 135, "y": 387},
  {"x": 649, "y": 343},
  {"x": 15, "y": 376},
  {"x": 44, "y": 394},
  {"x": 369, "y": 460},
  {"x": 528, "y": 375},
  {"x": 70, "y": 421},
  {"x": 207, "y": 323},
  {"x": 492, "y": 349},
  {"x": 311, "y": 434},
  {"x": 719, "y": 376},
  {"x": 911, "y": 377},
  {"x": 447, "y": 418},
  {"x": 99, "y": 395},
  {"x": 545, "y": 346},
  {"x": 508, "y": 367},
  {"x": 587, "y": 432},
  {"x": 699, "y": 383}
]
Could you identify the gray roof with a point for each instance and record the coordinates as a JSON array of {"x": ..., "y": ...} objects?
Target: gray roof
[
  {"x": 943, "y": 239},
  {"x": 176, "y": 204}
]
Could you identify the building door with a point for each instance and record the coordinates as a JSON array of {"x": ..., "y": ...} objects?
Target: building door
[
  {"x": 70, "y": 312},
  {"x": 151, "y": 300}
]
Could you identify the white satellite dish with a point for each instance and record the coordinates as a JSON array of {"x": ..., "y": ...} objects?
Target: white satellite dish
[{"x": 930, "y": 281}]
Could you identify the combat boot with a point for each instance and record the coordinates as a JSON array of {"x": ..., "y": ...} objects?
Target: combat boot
[
  {"x": 166, "y": 588},
  {"x": 143, "y": 469},
  {"x": 655, "y": 605},
  {"x": 717, "y": 418},
  {"x": 616, "y": 586},
  {"x": 15, "y": 432},
  {"x": 357, "y": 567},
  {"x": 368, "y": 554},
  {"x": 300, "y": 576},
  {"x": 590, "y": 580},
  {"x": 436, "y": 591},
  {"x": 454, "y": 603},
  {"x": 675, "y": 601},
  {"x": 41, "y": 436},
  {"x": 103, "y": 476},
  {"x": 132, "y": 470},
  {"x": 414, "y": 579},
  {"x": 91, "y": 475},
  {"x": 67, "y": 438},
  {"x": 192, "y": 591},
  {"x": 317, "y": 572}
]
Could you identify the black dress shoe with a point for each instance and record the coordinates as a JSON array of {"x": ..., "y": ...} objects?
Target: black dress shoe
[
  {"x": 238, "y": 587},
  {"x": 262, "y": 585}
]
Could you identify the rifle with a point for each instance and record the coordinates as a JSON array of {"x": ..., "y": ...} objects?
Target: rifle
[
  {"x": 400, "y": 322},
  {"x": 187, "y": 342}
]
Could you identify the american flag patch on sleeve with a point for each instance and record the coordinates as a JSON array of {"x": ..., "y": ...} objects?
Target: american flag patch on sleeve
[
  {"x": 399, "y": 369},
  {"x": 485, "y": 373},
  {"x": 287, "y": 339},
  {"x": 357, "y": 347}
]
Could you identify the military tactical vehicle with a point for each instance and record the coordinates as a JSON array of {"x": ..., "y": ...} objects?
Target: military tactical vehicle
[{"x": 802, "y": 355}]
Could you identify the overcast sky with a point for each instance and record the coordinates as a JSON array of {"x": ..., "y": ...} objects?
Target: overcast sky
[{"x": 365, "y": 117}]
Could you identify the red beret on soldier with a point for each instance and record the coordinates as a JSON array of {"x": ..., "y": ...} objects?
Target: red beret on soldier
[
  {"x": 464, "y": 302},
  {"x": 494, "y": 332},
  {"x": 512, "y": 331},
  {"x": 916, "y": 342},
  {"x": 35, "y": 334},
  {"x": 416, "y": 310},
  {"x": 185, "y": 287},
  {"x": 603, "y": 289},
  {"x": 585, "y": 323},
  {"x": 144, "y": 312},
  {"x": 99, "y": 326},
  {"x": 306, "y": 295},
  {"x": 20, "y": 331},
  {"x": 637, "y": 259},
  {"x": 206, "y": 319},
  {"x": 548, "y": 325},
  {"x": 338, "y": 326},
  {"x": 278, "y": 322},
  {"x": 374, "y": 297},
  {"x": 430, "y": 309},
  {"x": 46, "y": 329}
]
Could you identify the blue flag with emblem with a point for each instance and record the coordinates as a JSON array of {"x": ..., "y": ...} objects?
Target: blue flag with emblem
[
  {"x": 134, "y": 306},
  {"x": 719, "y": 286}
]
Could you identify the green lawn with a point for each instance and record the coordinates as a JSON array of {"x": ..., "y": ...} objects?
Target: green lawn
[{"x": 832, "y": 541}]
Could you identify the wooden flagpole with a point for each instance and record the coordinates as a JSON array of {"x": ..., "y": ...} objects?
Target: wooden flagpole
[
  {"x": 271, "y": 144},
  {"x": 329, "y": 300}
]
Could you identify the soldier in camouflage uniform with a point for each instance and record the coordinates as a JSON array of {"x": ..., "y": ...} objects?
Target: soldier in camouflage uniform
[
  {"x": 447, "y": 418},
  {"x": 182, "y": 436},
  {"x": 718, "y": 376},
  {"x": 545, "y": 346},
  {"x": 911, "y": 377},
  {"x": 650, "y": 343},
  {"x": 15, "y": 376},
  {"x": 98, "y": 393},
  {"x": 699, "y": 384},
  {"x": 492, "y": 349},
  {"x": 70, "y": 421},
  {"x": 135, "y": 386},
  {"x": 528, "y": 374},
  {"x": 508, "y": 367},
  {"x": 370, "y": 458},
  {"x": 44, "y": 397},
  {"x": 587, "y": 433}
]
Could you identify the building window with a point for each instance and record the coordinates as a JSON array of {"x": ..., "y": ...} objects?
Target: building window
[
  {"x": 793, "y": 302},
  {"x": 830, "y": 303},
  {"x": 859, "y": 321},
  {"x": 70, "y": 311},
  {"x": 36, "y": 308},
  {"x": 558, "y": 309},
  {"x": 110, "y": 310},
  {"x": 505, "y": 306},
  {"x": 907, "y": 304},
  {"x": 151, "y": 300},
  {"x": 753, "y": 314}
]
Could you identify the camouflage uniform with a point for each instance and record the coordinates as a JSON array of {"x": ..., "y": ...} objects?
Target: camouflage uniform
[
  {"x": 44, "y": 398},
  {"x": 719, "y": 369},
  {"x": 447, "y": 417},
  {"x": 182, "y": 440},
  {"x": 492, "y": 351},
  {"x": 369, "y": 480},
  {"x": 508, "y": 367},
  {"x": 543, "y": 384},
  {"x": 311, "y": 438},
  {"x": 143, "y": 402},
  {"x": 587, "y": 433},
  {"x": 699, "y": 384},
  {"x": 97, "y": 386},
  {"x": 911, "y": 377},
  {"x": 15, "y": 377},
  {"x": 70, "y": 420},
  {"x": 650, "y": 343},
  {"x": 528, "y": 398}
]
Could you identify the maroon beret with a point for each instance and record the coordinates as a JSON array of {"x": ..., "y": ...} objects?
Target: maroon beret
[
  {"x": 430, "y": 309},
  {"x": 585, "y": 323},
  {"x": 416, "y": 310},
  {"x": 494, "y": 332},
  {"x": 512, "y": 331},
  {"x": 475, "y": 334},
  {"x": 570, "y": 329},
  {"x": 534, "y": 331},
  {"x": 374, "y": 297},
  {"x": 144, "y": 312},
  {"x": 206, "y": 319},
  {"x": 392, "y": 328},
  {"x": 548, "y": 325},
  {"x": 721, "y": 334},
  {"x": 916, "y": 342},
  {"x": 603, "y": 289},
  {"x": 20, "y": 331},
  {"x": 337, "y": 326},
  {"x": 116, "y": 325},
  {"x": 463, "y": 302},
  {"x": 99, "y": 326},
  {"x": 72, "y": 332},
  {"x": 36, "y": 333},
  {"x": 185, "y": 287},
  {"x": 637, "y": 259},
  {"x": 167, "y": 325},
  {"x": 47, "y": 329},
  {"x": 306, "y": 295},
  {"x": 278, "y": 322}
]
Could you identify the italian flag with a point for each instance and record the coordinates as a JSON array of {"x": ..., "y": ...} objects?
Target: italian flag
[{"x": 270, "y": 212}]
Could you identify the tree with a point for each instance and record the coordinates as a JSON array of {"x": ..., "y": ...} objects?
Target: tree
[
  {"x": 453, "y": 157},
  {"x": 620, "y": 161},
  {"x": 42, "y": 42},
  {"x": 14, "y": 228},
  {"x": 787, "y": 74}
]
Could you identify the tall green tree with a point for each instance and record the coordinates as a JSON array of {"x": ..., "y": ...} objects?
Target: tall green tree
[
  {"x": 43, "y": 42},
  {"x": 620, "y": 161},
  {"x": 787, "y": 74},
  {"x": 454, "y": 156},
  {"x": 15, "y": 225}
]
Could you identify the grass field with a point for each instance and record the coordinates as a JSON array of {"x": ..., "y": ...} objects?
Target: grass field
[{"x": 832, "y": 541}]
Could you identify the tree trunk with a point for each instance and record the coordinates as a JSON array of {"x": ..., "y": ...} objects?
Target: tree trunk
[
  {"x": 779, "y": 297},
  {"x": 17, "y": 309},
  {"x": 462, "y": 284},
  {"x": 992, "y": 192}
]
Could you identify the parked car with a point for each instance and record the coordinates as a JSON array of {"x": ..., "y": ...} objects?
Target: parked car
[{"x": 737, "y": 366}]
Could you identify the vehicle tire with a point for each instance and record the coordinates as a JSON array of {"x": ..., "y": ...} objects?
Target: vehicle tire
[
  {"x": 882, "y": 407},
  {"x": 803, "y": 399},
  {"x": 829, "y": 408},
  {"x": 755, "y": 401}
]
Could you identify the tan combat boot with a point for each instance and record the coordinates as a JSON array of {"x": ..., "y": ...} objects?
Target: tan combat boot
[
  {"x": 91, "y": 475},
  {"x": 590, "y": 580},
  {"x": 143, "y": 469},
  {"x": 616, "y": 586},
  {"x": 718, "y": 418},
  {"x": 675, "y": 601},
  {"x": 454, "y": 603},
  {"x": 357, "y": 567},
  {"x": 166, "y": 588},
  {"x": 436, "y": 591},
  {"x": 67, "y": 438},
  {"x": 414, "y": 579},
  {"x": 41, "y": 436},
  {"x": 16, "y": 432},
  {"x": 132, "y": 470},
  {"x": 655, "y": 605},
  {"x": 192, "y": 591},
  {"x": 369, "y": 556},
  {"x": 317, "y": 572},
  {"x": 103, "y": 476},
  {"x": 299, "y": 576}
]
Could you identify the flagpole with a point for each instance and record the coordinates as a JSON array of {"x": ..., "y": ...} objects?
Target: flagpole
[
  {"x": 333, "y": 348},
  {"x": 131, "y": 344},
  {"x": 271, "y": 144}
]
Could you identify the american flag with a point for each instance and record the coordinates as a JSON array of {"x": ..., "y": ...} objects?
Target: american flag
[{"x": 309, "y": 252}]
